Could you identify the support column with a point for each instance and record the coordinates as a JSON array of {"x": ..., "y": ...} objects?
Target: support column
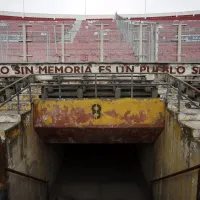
[
  {"x": 24, "y": 41},
  {"x": 140, "y": 45},
  {"x": 140, "y": 40},
  {"x": 101, "y": 44},
  {"x": 63, "y": 41},
  {"x": 179, "y": 42},
  {"x": 179, "y": 39},
  {"x": 156, "y": 43},
  {"x": 152, "y": 49},
  {"x": 102, "y": 41},
  {"x": 48, "y": 39}
]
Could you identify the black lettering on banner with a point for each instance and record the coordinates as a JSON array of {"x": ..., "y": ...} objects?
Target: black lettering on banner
[{"x": 96, "y": 111}]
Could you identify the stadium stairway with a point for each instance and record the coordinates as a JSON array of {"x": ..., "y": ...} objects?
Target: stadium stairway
[
  {"x": 187, "y": 117},
  {"x": 9, "y": 116}
]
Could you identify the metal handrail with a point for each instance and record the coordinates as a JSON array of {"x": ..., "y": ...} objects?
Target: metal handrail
[
  {"x": 14, "y": 83},
  {"x": 179, "y": 91},
  {"x": 183, "y": 82},
  {"x": 100, "y": 76},
  {"x": 25, "y": 175},
  {"x": 177, "y": 173},
  {"x": 18, "y": 92}
]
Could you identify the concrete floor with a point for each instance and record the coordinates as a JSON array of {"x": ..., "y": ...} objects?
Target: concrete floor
[{"x": 100, "y": 172}]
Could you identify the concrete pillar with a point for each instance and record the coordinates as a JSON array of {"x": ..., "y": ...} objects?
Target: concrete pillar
[
  {"x": 24, "y": 42},
  {"x": 63, "y": 41},
  {"x": 79, "y": 93},
  {"x": 101, "y": 44},
  {"x": 140, "y": 45},
  {"x": 118, "y": 93},
  {"x": 152, "y": 43},
  {"x": 179, "y": 42},
  {"x": 156, "y": 43}
]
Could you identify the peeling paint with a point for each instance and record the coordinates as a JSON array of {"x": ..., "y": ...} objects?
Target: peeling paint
[
  {"x": 72, "y": 115},
  {"x": 78, "y": 113}
]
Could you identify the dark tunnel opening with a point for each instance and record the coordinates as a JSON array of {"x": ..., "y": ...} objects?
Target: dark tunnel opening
[{"x": 103, "y": 172}]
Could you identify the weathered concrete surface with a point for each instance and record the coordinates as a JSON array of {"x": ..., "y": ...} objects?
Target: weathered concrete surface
[
  {"x": 9, "y": 116},
  {"x": 2, "y": 163},
  {"x": 8, "y": 120},
  {"x": 195, "y": 128},
  {"x": 189, "y": 115},
  {"x": 146, "y": 159},
  {"x": 96, "y": 120},
  {"x": 12, "y": 105},
  {"x": 108, "y": 113},
  {"x": 28, "y": 154},
  {"x": 176, "y": 149}
]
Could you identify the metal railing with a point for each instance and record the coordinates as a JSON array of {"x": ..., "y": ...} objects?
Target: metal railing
[
  {"x": 15, "y": 89},
  {"x": 178, "y": 89},
  {"x": 123, "y": 40},
  {"x": 176, "y": 173},
  {"x": 181, "y": 172},
  {"x": 128, "y": 80}
]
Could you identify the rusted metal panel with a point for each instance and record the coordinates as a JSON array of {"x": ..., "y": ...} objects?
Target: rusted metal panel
[
  {"x": 99, "y": 113},
  {"x": 98, "y": 135},
  {"x": 99, "y": 121}
]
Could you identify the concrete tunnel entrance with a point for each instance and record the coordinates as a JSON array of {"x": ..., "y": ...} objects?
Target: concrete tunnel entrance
[{"x": 104, "y": 172}]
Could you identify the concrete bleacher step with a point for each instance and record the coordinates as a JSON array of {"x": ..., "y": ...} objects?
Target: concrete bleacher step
[
  {"x": 189, "y": 115},
  {"x": 173, "y": 105},
  {"x": 9, "y": 116},
  {"x": 26, "y": 97},
  {"x": 8, "y": 120},
  {"x": 189, "y": 118},
  {"x": 194, "y": 126},
  {"x": 12, "y": 106}
]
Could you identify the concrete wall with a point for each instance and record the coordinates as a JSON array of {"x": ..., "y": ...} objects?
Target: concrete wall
[
  {"x": 2, "y": 163},
  {"x": 146, "y": 157},
  {"x": 27, "y": 153},
  {"x": 175, "y": 150}
]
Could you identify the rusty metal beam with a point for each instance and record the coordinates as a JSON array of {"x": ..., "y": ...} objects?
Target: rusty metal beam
[{"x": 99, "y": 120}]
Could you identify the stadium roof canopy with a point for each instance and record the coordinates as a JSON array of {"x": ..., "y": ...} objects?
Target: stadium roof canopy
[{"x": 189, "y": 15}]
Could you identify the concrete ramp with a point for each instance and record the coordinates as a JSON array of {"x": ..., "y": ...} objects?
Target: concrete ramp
[{"x": 98, "y": 120}]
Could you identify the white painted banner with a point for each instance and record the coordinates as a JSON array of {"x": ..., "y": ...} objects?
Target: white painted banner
[{"x": 25, "y": 69}]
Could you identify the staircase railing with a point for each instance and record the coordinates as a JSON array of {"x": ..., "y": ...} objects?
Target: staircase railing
[
  {"x": 15, "y": 89},
  {"x": 27, "y": 82}
]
